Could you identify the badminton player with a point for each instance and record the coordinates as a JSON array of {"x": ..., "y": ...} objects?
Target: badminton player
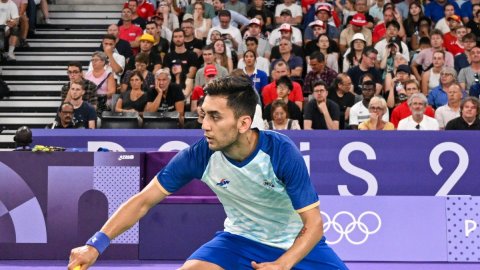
[{"x": 273, "y": 217}]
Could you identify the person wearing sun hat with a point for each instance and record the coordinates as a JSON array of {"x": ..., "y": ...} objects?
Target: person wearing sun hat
[
  {"x": 357, "y": 25},
  {"x": 352, "y": 58}
]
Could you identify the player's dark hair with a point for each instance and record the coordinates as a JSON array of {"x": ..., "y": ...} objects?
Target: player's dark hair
[{"x": 238, "y": 90}]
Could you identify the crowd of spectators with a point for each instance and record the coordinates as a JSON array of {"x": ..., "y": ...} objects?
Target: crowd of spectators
[
  {"x": 354, "y": 64},
  {"x": 18, "y": 20}
]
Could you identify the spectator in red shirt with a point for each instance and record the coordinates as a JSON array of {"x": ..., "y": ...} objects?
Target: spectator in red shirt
[
  {"x": 452, "y": 39},
  {"x": 389, "y": 14},
  {"x": 145, "y": 9},
  {"x": 269, "y": 92},
  {"x": 403, "y": 110},
  {"x": 128, "y": 31}
]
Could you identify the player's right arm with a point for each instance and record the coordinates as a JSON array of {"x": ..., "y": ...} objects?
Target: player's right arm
[{"x": 125, "y": 217}]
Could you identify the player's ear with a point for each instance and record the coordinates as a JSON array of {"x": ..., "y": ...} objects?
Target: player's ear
[{"x": 244, "y": 122}]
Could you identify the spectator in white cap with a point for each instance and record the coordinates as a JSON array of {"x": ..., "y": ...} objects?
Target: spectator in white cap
[
  {"x": 255, "y": 30},
  {"x": 295, "y": 12},
  {"x": 285, "y": 31},
  {"x": 357, "y": 25},
  {"x": 324, "y": 13},
  {"x": 318, "y": 27}
]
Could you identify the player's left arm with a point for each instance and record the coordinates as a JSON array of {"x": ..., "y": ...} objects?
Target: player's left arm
[{"x": 307, "y": 238}]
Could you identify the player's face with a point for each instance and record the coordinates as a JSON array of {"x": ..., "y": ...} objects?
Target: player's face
[{"x": 220, "y": 126}]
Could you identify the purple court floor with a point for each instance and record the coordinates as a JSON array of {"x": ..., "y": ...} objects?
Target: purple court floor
[{"x": 165, "y": 265}]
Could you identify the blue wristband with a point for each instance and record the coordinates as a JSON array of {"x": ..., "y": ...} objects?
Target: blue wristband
[{"x": 100, "y": 241}]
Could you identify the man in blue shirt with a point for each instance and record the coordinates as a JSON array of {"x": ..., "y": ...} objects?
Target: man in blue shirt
[{"x": 273, "y": 217}]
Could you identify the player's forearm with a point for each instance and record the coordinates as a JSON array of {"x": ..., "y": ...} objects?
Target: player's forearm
[
  {"x": 307, "y": 238},
  {"x": 125, "y": 217}
]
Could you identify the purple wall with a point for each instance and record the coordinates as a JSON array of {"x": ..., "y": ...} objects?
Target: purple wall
[{"x": 52, "y": 202}]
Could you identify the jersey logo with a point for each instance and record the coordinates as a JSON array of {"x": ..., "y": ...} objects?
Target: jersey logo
[
  {"x": 223, "y": 183},
  {"x": 268, "y": 184}
]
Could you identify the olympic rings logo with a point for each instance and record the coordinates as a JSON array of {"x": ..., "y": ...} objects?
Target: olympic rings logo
[{"x": 350, "y": 227}]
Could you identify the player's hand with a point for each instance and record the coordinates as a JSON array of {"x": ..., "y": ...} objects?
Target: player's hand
[
  {"x": 83, "y": 256},
  {"x": 269, "y": 266}
]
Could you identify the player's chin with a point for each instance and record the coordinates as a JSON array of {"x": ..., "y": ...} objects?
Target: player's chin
[{"x": 212, "y": 146}]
